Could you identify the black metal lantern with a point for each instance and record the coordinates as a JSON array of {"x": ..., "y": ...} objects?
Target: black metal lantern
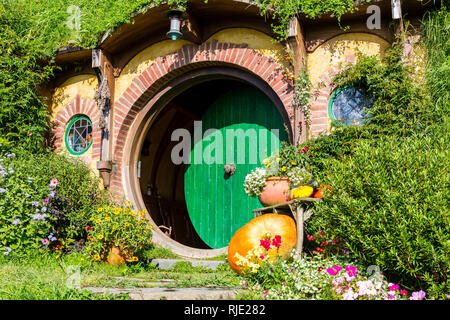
[{"x": 175, "y": 24}]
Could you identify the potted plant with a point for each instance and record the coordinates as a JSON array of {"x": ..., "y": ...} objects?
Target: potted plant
[
  {"x": 117, "y": 235},
  {"x": 272, "y": 181}
]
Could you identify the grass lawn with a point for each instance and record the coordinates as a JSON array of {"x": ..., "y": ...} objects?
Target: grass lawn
[{"x": 42, "y": 276}]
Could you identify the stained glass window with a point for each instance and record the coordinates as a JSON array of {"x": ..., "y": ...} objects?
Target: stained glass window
[
  {"x": 350, "y": 105},
  {"x": 79, "y": 135}
]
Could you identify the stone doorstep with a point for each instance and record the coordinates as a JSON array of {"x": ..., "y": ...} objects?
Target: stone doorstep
[
  {"x": 161, "y": 293},
  {"x": 170, "y": 263}
]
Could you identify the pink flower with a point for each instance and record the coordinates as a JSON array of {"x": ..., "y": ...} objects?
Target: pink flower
[
  {"x": 53, "y": 182},
  {"x": 264, "y": 293},
  {"x": 351, "y": 272},
  {"x": 334, "y": 270},
  {"x": 337, "y": 281},
  {"x": 46, "y": 201},
  {"x": 44, "y": 241},
  {"x": 321, "y": 233},
  {"x": 265, "y": 243},
  {"x": 392, "y": 295},
  {"x": 393, "y": 287},
  {"x": 311, "y": 238},
  {"x": 419, "y": 295},
  {"x": 261, "y": 257},
  {"x": 403, "y": 292},
  {"x": 276, "y": 241},
  {"x": 366, "y": 288},
  {"x": 350, "y": 295}
]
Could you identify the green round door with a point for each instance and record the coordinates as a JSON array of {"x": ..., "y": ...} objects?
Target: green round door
[{"x": 241, "y": 128}]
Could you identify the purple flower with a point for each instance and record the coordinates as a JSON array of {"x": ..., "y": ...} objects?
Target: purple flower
[
  {"x": 8, "y": 250},
  {"x": 418, "y": 295},
  {"x": 51, "y": 194},
  {"x": 44, "y": 209},
  {"x": 34, "y": 203},
  {"x": 16, "y": 221},
  {"x": 2, "y": 190}
]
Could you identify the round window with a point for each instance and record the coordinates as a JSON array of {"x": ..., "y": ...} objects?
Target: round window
[
  {"x": 349, "y": 105},
  {"x": 79, "y": 135}
]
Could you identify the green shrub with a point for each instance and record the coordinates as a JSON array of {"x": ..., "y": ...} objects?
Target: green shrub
[
  {"x": 45, "y": 201},
  {"x": 389, "y": 176},
  {"x": 390, "y": 206}
]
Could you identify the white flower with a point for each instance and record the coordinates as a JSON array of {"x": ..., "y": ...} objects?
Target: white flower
[{"x": 255, "y": 182}]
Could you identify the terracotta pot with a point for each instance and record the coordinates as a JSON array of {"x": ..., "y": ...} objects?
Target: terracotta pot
[
  {"x": 275, "y": 191},
  {"x": 115, "y": 257}
]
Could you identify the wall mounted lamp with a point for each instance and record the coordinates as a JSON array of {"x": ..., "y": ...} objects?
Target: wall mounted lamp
[{"x": 175, "y": 24}]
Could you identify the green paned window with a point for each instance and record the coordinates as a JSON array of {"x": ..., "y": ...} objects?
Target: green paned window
[
  {"x": 79, "y": 135},
  {"x": 349, "y": 105}
]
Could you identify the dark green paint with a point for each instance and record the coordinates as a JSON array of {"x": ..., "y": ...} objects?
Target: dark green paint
[{"x": 217, "y": 204}]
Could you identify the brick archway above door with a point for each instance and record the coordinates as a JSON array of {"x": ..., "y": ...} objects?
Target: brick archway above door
[{"x": 191, "y": 57}]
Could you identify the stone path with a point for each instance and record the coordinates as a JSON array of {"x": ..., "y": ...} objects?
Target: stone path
[
  {"x": 163, "y": 293},
  {"x": 159, "y": 290}
]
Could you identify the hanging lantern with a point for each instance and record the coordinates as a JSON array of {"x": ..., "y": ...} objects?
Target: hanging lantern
[{"x": 175, "y": 24}]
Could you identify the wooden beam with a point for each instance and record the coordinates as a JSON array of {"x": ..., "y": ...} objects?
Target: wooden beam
[{"x": 190, "y": 27}]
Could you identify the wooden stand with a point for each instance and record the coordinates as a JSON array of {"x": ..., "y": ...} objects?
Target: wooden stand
[{"x": 296, "y": 209}]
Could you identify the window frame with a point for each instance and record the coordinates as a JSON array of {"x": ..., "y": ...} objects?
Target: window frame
[
  {"x": 75, "y": 119},
  {"x": 333, "y": 98}
]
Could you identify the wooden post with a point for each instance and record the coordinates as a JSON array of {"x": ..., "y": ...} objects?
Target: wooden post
[
  {"x": 296, "y": 42},
  {"x": 299, "y": 219},
  {"x": 104, "y": 69}
]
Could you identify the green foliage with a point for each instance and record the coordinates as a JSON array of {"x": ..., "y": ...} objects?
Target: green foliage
[
  {"x": 389, "y": 205},
  {"x": 44, "y": 197},
  {"x": 436, "y": 38},
  {"x": 283, "y": 10}
]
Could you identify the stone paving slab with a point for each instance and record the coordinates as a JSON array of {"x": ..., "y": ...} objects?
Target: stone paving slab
[
  {"x": 170, "y": 263},
  {"x": 161, "y": 293}
]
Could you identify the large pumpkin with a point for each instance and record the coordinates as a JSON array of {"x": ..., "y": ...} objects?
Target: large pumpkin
[{"x": 249, "y": 236}]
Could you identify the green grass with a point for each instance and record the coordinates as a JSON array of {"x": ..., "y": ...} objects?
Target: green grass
[{"x": 41, "y": 276}]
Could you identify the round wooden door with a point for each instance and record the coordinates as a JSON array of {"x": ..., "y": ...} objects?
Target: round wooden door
[{"x": 240, "y": 129}]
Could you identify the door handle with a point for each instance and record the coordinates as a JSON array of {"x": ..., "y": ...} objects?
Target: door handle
[{"x": 229, "y": 168}]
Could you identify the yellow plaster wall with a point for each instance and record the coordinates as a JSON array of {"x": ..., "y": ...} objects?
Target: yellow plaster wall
[
  {"x": 256, "y": 40},
  {"x": 143, "y": 60},
  {"x": 84, "y": 85},
  {"x": 335, "y": 51}
]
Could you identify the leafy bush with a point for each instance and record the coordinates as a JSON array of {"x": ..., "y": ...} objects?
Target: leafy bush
[
  {"x": 123, "y": 228},
  {"x": 390, "y": 205},
  {"x": 45, "y": 201},
  {"x": 390, "y": 183}
]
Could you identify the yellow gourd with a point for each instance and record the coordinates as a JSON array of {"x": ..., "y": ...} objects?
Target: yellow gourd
[{"x": 302, "y": 192}]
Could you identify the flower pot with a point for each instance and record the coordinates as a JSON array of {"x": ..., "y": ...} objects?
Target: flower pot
[
  {"x": 115, "y": 257},
  {"x": 275, "y": 191}
]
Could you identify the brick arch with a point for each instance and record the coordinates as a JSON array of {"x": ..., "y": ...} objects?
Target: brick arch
[
  {"x": 78, "y": 106},
  {"x": 321, "y": 98},
  {"x": 190, "y": 57}
]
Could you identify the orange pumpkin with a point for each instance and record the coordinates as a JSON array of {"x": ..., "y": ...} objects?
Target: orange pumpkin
[{"x": 250, "y": 235}]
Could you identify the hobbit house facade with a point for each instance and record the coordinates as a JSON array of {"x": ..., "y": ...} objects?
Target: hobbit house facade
[{"x": 117, "y": 106}]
